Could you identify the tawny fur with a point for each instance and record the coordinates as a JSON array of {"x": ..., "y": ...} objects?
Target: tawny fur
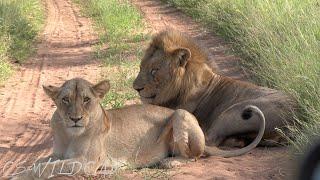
[
  {"x": 182, "y": 79},
  {"x": 134, "y": 136}
]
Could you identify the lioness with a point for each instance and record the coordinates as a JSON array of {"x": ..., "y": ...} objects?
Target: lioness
[
  {"x": 174, "y": 73},
  {"x": 86, "y": 137}
]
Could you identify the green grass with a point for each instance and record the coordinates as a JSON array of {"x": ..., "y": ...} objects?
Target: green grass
[
  {"x": 279, "y": 42},
  {"x": 20, "y": 22},
  {"x": 122, "y": 37}
]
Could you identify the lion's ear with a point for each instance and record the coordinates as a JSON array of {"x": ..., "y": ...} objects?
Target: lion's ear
[
  {"x": 101, "y": 88},
  {"x": 183, "y": 55},
  {"x": 51, "y": 91}
]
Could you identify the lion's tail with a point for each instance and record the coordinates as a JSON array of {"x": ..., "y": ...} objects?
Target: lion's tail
[{"x": 248, "y": 110}]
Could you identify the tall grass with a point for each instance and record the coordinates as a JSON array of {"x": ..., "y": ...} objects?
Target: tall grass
[
  {"x": 279, "y": 42},
  {"x": 122, "y": 37},
  {"x": 20, "y": 22}
]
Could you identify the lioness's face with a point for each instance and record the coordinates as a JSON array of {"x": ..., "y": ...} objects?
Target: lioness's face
[
  {"x": 156, "y": 82},
  {"x": 77, "y": 101}
]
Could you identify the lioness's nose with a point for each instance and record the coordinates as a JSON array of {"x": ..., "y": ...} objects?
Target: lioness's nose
[{"x": 75, "y": 119}]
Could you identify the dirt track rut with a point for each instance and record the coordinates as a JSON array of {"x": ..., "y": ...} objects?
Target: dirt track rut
[{"x": 64, "y": 52}]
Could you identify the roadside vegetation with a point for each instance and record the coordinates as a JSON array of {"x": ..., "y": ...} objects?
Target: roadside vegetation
[
  {"x": 279, "y": 42},
  {"x": 122, "y": 37},
  {"x": 20, "y": 22}
]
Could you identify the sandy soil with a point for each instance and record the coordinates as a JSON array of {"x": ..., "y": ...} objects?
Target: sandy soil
[{"x": 65, "y": 52}]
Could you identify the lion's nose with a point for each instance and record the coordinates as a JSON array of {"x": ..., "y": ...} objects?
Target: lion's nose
[
  {"x": 138, "y": 89},
  {"x": 75, "y": 119}
]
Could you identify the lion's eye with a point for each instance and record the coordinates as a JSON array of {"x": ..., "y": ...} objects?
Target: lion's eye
[
  {"x": 65, "y": 100},
  {"x": 86, "y": 99},
  {"x": 153, "y": 72}
]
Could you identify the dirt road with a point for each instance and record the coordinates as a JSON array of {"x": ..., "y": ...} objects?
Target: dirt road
[{"x": 64, "y": 53}]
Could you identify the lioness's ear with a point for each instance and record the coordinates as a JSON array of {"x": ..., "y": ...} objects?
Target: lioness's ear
[
  {"x": 183, "y": 55},
  {"x": 51, "y": 91},
  {"x": 101, "y": 88}
]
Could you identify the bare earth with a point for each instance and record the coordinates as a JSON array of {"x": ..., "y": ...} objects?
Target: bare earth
[{"x": 66, "y": 52}]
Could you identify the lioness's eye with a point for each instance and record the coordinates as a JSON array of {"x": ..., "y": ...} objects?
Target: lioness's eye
[
  {"x": 86, "y": 99},
  {"x": 153, "y": 72},
  {"x": 65, "y": 100}
]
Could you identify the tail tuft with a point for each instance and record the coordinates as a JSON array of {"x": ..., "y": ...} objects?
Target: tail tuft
[{"x": 247, "y": 113}]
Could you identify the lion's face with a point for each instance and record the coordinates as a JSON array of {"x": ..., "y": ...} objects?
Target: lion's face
[
  {"x": 77, "y": 101},
  {"x": 158, "y": 79}
]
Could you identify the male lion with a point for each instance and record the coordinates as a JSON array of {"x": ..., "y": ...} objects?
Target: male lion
[
  {"x": 86, "y": 137},
  {"x": 174, "y": 73}
]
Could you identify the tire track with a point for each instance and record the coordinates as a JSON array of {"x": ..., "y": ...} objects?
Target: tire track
[
  {"x": 21, "y": 158},
  {"x": 64, "y": 53}
]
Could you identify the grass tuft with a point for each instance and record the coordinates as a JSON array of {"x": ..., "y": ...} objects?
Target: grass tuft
[
  {"x": 279, "y": 42},
  {"x": 20, "y": 22},
  {"x": 122, "y": 37}
]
